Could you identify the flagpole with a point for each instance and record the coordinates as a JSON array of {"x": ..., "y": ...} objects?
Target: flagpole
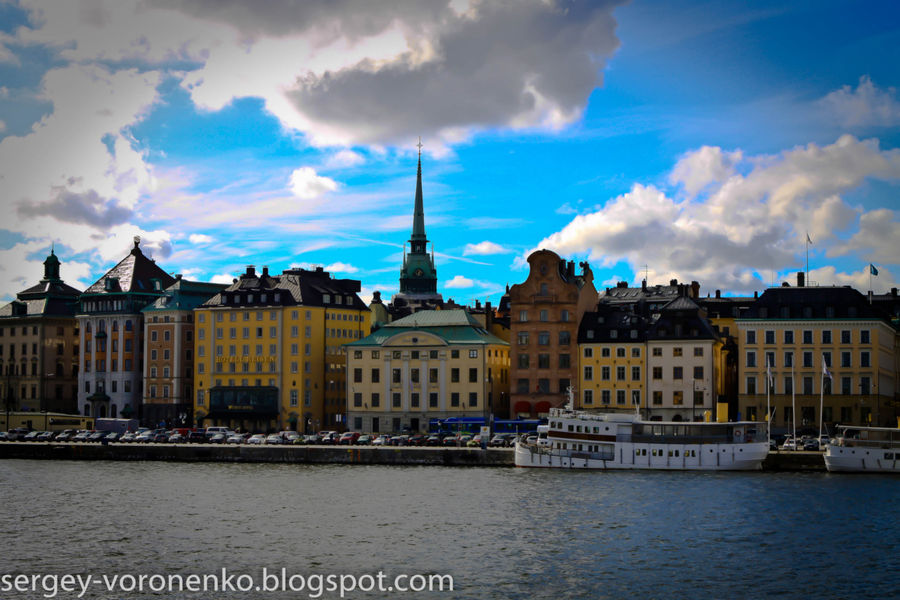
[
  {"x": 822, "y": 398},
  {"x": 793, "y": 406},
  {"x": 768, "y": 404},
  {"x": 807, "y": 260}
]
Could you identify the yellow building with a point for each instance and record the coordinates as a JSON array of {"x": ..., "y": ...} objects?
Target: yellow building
[
  {"x": 429, "y": 365},
  {"x": 612, "y": 360},
  {"x": 796, "y": 331},
  {"x": 269, "y": 351}
]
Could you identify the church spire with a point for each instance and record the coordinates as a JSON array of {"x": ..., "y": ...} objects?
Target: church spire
[{"x": 418, "y": 230}]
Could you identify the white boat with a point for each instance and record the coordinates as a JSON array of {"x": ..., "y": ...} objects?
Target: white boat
[
  {"x": 864, "y": 449},
  {"x": 583, "y": 440}
]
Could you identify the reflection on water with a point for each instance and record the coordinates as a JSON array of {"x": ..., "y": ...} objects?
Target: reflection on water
[{"x": 502, "y": 533}]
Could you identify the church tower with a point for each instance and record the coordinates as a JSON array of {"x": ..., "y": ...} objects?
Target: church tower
[{"x": 418, "y": 277}]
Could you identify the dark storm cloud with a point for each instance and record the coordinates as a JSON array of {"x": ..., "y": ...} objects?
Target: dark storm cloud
[{"x": 86, "y": 208}]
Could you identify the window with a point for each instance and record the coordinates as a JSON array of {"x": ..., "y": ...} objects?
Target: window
[
  {"x": 166, "y": 335},
  {"x": 635, "y": 352},
  {"x": 808, "y": 359},
  {"x": 543, "y": 361},
  {"x": 620, "y": 397},
  {"x": 676, "y": 351},
  {"x": 751, "y": 358},
  {"x": 677, "y": 372},
  {"x": 751, "y": 337},
  {"x": 788, "y": 337},
  {"x": 807, "y": 385},
  {"x": 544, "y": 338},
  {"x": 473, "y": 375},
  {"x": 432, "y": 375},
  {"x": 620, "y": 352},
  {"x": 357, "y": 375},
  {"x": 605, "y": 396},
  {"x": 605, "y": 373},
  {"x": 473, "y": 399},
  {"x": 620, "y": 373},
  {"x": 564, "y": 316},
  {"x": 657, "y": 398},
  {"x": 522, "y": 337},
  {"x": 807, "y": 336},
  {"x": 396, "y": 400},
  {"x": 414, "y": 400},
  {"x": 845, "y": 336},
  {"x": 564, "y": 338},
  {"x": 395, "y": 376},
  {"x": 826, "y": 336},
  {"x": 589, "y": 373},
  {"x": 770, "y": 359},
  {"x": 864, "y": 336},
  {"x": 454, "y": 375},
  {"x": 846, "y": 386},
  {"x": 376, "y": 400},
  {"x": 657, "y": 352},
  {"x": 523, "y": 316},
  {"x": 589, "y": 353},
  {"x": 414, "y": 375},
  {"x": 770, "y": 336},
  {"x": 543, "y": 315},
  {"x": 564, "y": 361},
  {"x": 588, "y": 396},
  {"x": 376, "y": 375},
  {"x": 454, "y": 397},
  {"x": 845, "y": 359},
  {"x": 473, "y": 353},
  {"x": 864, "y": 386},
  {"x": 789, "y": 359},
  {"x": 698, "y": 372},
  {"x": 864, "y": 359},
  {"x": 698, "y": 398},
  {"x": 678, "y": 397},
  {"x": 657, "y": 372}
]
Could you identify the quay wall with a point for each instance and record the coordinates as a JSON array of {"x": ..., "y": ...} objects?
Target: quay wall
[{"x": 360, "y": 455}]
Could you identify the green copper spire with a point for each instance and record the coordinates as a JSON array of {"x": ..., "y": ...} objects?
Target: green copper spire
[
  {"x": 418, "y": 230},
  {"x": 418, "y": 275}
]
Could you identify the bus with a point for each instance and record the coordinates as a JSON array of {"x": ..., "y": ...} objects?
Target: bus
[{"x": 473, "y": 425}]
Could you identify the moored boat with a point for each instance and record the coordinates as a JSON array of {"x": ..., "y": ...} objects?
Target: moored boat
[
  {"x": 864, "y": 449},
  {"x": 583, "y": 440}
]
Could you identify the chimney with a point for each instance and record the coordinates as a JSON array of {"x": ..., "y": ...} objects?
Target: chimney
[
  {"x": 570, "y": 269},
  {"x": 251, "y": 271},
  {"x": 265, "y": 272},
  {"x": 800, "y": 279},
  {"x": 643, "y": 285},
  {"x": 894, "y": 292},
  {"x": 673, "y": 282},
  {"x": 755, "y": 295},
  {"x": 695, "y": 290},
  {"x": 718, "y": 293},
  {"x": 622, "y": 284},
  {"x": 177, "y": 276}
]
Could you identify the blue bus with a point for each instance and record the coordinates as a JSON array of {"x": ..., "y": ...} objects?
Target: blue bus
[{"x": 473, "y": 425}]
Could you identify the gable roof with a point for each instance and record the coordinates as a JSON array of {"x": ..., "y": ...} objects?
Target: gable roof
[{"x": 134, "y": 274}]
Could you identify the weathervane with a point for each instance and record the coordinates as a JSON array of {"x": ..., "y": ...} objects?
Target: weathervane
[{"x": 420, "y": 145}]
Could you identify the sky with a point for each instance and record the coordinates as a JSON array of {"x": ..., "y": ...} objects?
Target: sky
[{"x": 703, "y": 141}]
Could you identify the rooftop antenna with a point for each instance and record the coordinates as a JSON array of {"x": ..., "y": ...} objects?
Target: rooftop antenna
[
  {"x": 646, "y": 276},
  {"x": 420, "y": 146}
]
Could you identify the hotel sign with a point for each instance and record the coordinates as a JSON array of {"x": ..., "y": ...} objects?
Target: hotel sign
[{"x": 245, "y": 359}]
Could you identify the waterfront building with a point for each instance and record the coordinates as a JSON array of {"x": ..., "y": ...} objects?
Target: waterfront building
[
  {"x": 433, "y": 364},
  {"x": 39, "y": 346},
  {"x": 111, "y": 327},
  {"x": 169, "y": 352},
  {"x": 802, "y": 331},
  {"x": 612, "y": 344},
  {"x": 545, "y": 311},
  {"x": 269, "y": 351},
  {"x": 681, "y": 356}
]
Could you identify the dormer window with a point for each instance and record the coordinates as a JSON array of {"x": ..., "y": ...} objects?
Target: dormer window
[
  {"x": 613, "y": 334},
  {"x": 326, "y": 298},
  {"x": 249, "y": 298}
]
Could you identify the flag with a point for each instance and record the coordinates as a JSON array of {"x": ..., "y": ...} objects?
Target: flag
[
  {"x": 873, "y": 270},
  {"x": 769, "y": 374},
  {"x": 825, "y": 372},
  {"x": 808, "y": 240}
]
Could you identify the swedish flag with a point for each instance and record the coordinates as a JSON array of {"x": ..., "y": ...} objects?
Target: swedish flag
[{"x": 873, "y": 270}]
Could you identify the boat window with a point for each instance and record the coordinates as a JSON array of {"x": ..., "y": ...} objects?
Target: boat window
[
  {"x": 578, "y": 429},
  {"x": 571, "y": 428},
  {"x": 888, "y": 456}
]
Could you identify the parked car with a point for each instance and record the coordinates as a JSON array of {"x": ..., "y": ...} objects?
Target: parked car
[
  {"x": 382, "y": 440},
  {"x": 160, "y": 437},
  {"x": 824, "y": 441},
  {"x": 811, "y": 444},
  {"x": 364, "y": 440},
  {"x": 789, "y": 444},
  {"x": 32, "y": 436},
  {"x": 17, "y": 434},
  {"x": 112, "y": 436},
  {"x": 127, "y": 437},
  {"x": 237, "y": 438},
  {"x": 45, "y": 436},
  {"x": 217, "y": 438},
  {"x": 329, "y": 437},
  {"x": 4, "y": 437},
  {"x": 82, "y": 436},
  {"x": 773, "y": 444},
  {"x": 176, "y": 438},
  {"x": 289, "y": 436},
  {"x": 349, "y": 438},
  {"x": 399, "y": 440},
  {"x": 259, "y": 438},
  {"x": 275, "y": 439},
  {"x": 196, "y": 437},
  {"x": 433, "y": 440}
]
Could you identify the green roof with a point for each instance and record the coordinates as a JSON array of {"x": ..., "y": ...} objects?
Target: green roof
[{"x": 453, "y": 326}]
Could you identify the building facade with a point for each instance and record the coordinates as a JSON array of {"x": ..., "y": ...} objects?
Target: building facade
[
  {"x": 798, "y": 334},
  {"x": 612, "y": 345},
  {"x": 39, "y": 346},
  {"x": 111, "y": 324},
  {"x": 430, "y": 365},
  {"x": 545, "y": 311},
  {"x": 169, "y": 352},
  {"x": 269, "y": 351}
]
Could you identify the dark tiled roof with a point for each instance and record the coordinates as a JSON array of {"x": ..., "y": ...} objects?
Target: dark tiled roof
[
  {"x": 814, "y": 303},
  {"x": 612, "y": 325},
  {"x": 134, "y": 273},
  {"x": 294, "y": 286}
]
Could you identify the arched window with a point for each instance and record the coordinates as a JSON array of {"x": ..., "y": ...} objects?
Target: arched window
[
  {"x": 115, "y": 325},
  {"x": 101, "y": 326},
  {"x": 101, "y": 411},
  {"x": 128, "y": 325},
  {"x": 112, "y": 411},
  {"x": 87, "y": 327}
]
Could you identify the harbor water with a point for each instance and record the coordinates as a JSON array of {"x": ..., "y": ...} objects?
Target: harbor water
[{"x": 500, "y": 533}]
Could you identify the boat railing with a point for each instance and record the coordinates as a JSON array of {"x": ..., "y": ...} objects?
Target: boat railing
[{"x": 858, "y": 443}]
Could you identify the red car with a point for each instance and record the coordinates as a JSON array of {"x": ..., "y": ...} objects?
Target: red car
[{"x": 349, "y": 438}]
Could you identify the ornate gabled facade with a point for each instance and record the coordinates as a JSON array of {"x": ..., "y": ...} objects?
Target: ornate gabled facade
[
  {"x": 111, "y": 326},
  {"x": 545, "y": 311},
  {"x": 39, "y": 346}
]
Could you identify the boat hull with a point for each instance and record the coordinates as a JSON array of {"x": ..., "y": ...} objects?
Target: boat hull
[
  {"x": 747, "y": 456},
  {"x": 849, "y": 459}
]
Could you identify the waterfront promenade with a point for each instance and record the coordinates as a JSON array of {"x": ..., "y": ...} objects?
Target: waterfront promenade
[{"x": 363, "y": 455}]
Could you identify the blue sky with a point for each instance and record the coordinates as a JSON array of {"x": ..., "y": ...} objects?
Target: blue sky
[{"x": 701, "y": 140}]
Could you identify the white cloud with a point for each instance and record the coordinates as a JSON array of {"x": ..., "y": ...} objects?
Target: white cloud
[
  {"x": 344, "y": 159},
  {"x": 866, "y": 106},
  {"x": 340, "y": 267},
  {"x": 484, "y": 248},
  {"x": 306, "y": 184},
  {"x": 459, "y": 282},
  {"x": 827, "y": 276},
  {"x": 22, "y": 267},
  {"x": 752, "y": 223},
  {"x": 199, "y": 238},
  {"x": 566, "y": 209},
  {"x": 703, "y": 167},
  {"x": 223, "y": 278}
]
